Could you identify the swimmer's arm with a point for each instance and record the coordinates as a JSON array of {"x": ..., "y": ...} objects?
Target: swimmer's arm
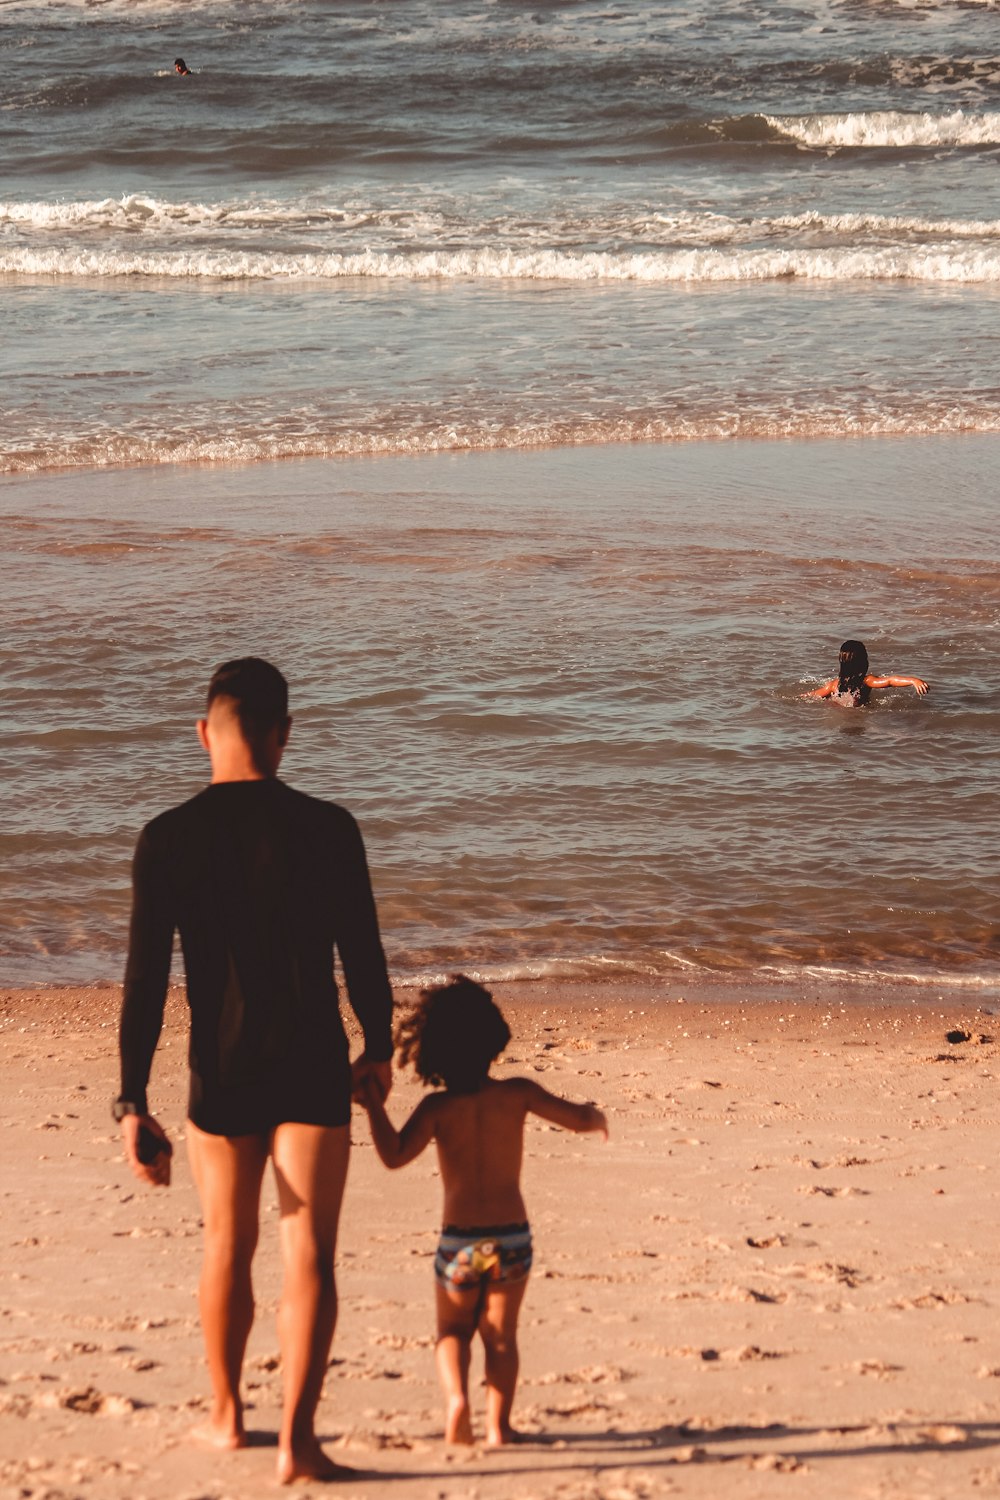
[
  {"x": 562, "y": 1112},
  {"x": 917, "y": 683},
  {"x": 826, "y": 691},
  {"x": 396, "y": 1148}
]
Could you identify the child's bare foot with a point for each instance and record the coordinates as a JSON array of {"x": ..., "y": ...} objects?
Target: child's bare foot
[
  {"x": 225, "y": 1434},
  {"x": 499, "y": 1437},
  {"x": 310, "y": 1462},
  {"x": 458, "y": 1423}
]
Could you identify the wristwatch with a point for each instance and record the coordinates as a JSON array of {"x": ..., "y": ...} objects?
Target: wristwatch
[{"x": 122, "y": 1107}]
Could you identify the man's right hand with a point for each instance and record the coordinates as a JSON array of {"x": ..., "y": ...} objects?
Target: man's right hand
[{"x": 156, "y": 1172}]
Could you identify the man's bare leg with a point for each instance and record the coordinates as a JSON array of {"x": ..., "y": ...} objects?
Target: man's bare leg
[
  {"x": 498, "y": 1331},
  {"x": 310, "y": 1164},
  {"x": 457, "y": 1314},
  {"x": 228, "y": 1171}
]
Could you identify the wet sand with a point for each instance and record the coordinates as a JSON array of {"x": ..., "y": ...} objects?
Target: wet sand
[{"x": 778, "y": 1277}]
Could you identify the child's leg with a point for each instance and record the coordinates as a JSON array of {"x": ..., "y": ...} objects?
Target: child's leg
[
  {"x": 498, "y": 1331},
  {"x": 457, "y": 1313}
]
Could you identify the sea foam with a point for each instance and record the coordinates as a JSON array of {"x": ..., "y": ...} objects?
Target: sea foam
[
  {"x": 890, "y": 128},
  {"x": 927, "y": 263}
]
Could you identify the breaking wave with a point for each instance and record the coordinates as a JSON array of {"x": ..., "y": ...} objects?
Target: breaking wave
[
  {"x": 454, "y": 222},
  {"x": 890, "y": 129},
  {"x": 928, "y": 263}
]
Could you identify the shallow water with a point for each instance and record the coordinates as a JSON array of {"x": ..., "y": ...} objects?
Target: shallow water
[{"x": 560, "y": 690}]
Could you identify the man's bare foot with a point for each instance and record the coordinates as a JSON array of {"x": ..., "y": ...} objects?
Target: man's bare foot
[
  {"x": 224, "y": 1436},
  {"x": 310, "y": 1462},
  {"x": 458, "y": 1422}
]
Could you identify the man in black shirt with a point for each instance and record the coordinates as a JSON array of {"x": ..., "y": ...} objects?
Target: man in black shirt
[{"x": 263, "y": 883}]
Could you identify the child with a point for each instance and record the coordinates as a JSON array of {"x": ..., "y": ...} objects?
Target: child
[
  {"x": 484, "y": 1255},
  {"x": 854, "y": 685}
]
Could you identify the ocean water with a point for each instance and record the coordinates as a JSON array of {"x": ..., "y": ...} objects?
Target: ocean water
[{"x": 549, "y": 388}]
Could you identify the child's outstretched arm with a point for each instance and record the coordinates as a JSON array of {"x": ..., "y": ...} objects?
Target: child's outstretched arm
[
  {"x": 562, "y": 1112},
  {"x": 397, "y": 1147},
  {"x": 917, "y": 683},
  {"x": 826, "y": 691}
]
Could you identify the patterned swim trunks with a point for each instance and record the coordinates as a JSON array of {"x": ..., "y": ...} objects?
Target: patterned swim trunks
[{"x": 482, "y": 1253}]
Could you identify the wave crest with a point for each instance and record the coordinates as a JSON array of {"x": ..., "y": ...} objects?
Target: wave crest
[
  {"x": 929, "y": 263},
  {"x": 889, "y": 128}
]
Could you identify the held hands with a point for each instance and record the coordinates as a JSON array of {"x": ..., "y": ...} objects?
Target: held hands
[
  {"x": 370, "y": 1078},
  {"x": 140, "y": 1135},
  {"x": 368, "y": 1094}
]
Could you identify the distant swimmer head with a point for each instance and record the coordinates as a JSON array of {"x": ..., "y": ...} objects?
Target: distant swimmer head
[
  {"x": 853, "y": 662},
  {"x": 180, "y": 66}
]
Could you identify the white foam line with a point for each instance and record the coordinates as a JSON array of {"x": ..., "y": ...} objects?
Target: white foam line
[
  {"x": 126, "y": 451},
  {"x": 152, "y": 217},
  {"x": 924, "y": 264},
  {"x": 877, "y": 977}
]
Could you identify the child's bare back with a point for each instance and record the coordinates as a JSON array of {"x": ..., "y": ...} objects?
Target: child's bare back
[{"x": 480, "y": 1143}]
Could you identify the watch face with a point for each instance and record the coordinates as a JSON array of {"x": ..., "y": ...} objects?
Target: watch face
[{"x": 121, "y": 1108}]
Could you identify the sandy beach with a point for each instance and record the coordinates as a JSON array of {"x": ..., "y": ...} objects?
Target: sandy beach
[{"x": 776, "y": 1278}]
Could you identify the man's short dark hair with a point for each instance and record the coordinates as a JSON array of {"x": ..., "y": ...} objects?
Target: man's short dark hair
[{"x": 257, "y": 691}]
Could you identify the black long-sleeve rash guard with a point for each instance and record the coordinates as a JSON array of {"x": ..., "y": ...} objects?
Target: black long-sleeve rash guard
[{"x": 263, "y": 883}]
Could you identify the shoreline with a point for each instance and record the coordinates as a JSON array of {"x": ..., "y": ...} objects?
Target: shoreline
[
  {"x": 711, "y": 441},
  {"x": 737, "y": 994}
]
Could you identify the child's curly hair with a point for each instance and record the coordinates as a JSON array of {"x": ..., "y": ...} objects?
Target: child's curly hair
[{"x": 452, "y": 1035}]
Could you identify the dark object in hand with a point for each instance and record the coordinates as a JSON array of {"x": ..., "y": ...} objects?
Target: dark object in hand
[{"x": 149, "y": 1146}]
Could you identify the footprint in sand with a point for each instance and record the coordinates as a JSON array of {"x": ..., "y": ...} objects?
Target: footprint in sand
[
  {"x": 588, "y": 1375},
  {"x": 932, "y": 1299},
  {"x": 398, "y": 1341},
  {"x": 751, "y": 1294},
  {"x": 15, "y": 1403},
  {"x": 576, "y": 1406},
  {"x": 87, "y": 1400},
  {"x": 615, "y": 1484},
  {"x": 824, "y": 1270},
  {"x": 776, "y": 1463},
  {"x": 743, "y": 1354},
  {"x": 877, "y": 1367},
  {"x": 835, "y": 1192}
]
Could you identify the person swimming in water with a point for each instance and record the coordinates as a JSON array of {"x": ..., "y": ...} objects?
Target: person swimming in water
[
  {"x": 181, "y": 67},
  {"x": 853, "y": 686}
]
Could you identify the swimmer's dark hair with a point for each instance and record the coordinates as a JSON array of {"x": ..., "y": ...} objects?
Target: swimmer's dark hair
[
  {"x": 452, "y": 1035},
  {"x": 257, "y": 693},
  {"x": 853, "y": 666}
]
